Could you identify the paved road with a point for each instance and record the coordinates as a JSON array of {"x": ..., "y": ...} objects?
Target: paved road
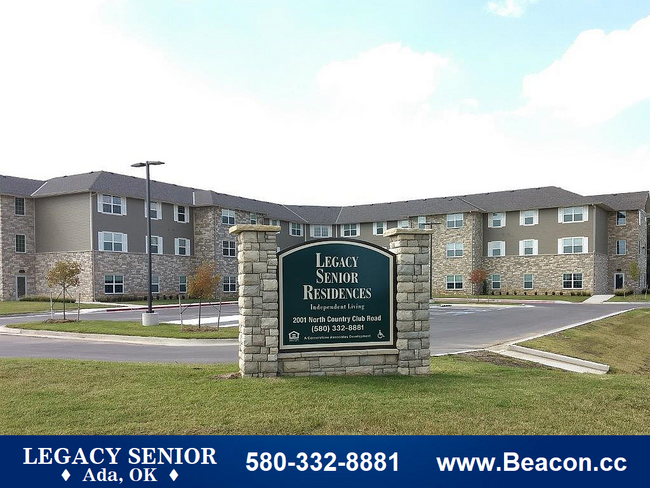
[{"x": 453, "y": 329}]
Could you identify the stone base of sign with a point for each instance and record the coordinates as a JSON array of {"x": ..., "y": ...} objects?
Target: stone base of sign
[
  {"x": 350, "y": 362},
  {"x": 259, "y": 354}
]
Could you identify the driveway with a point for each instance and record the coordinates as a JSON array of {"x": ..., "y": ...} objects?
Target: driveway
[{"x": 453, "y": 329}]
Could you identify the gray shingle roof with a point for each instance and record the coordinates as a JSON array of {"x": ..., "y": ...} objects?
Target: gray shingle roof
[
  {"x": 623, "y": 201},
  {"x": 130, "y": 186},
  {"x": 18, "y": 187},
  {"x": 113, "y": 183}
]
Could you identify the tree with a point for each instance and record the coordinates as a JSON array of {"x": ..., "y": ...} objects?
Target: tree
[
  {"x": 64, "y": 274},
  {"x": 477, "y": 277},
  {"x": 634, "y": 272},
  {"x": 203, "y": 283}
]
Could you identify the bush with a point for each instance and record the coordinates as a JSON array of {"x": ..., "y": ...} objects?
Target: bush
[{"x": 46, "y": 299}]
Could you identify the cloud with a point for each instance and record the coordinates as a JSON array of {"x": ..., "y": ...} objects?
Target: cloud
[
  {"x": 599, "y": 76},
  {"x": 509, "y": 8},
  {"x": 387, "y": 76}
]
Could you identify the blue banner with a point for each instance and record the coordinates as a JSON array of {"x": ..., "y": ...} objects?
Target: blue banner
[{"x": 315, "y": 461}]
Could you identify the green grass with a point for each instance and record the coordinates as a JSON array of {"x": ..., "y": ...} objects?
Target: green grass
[
  {"x": 186, "y": 301},
  {"x": 132, "y": 329},
  {"x": 630, "y": 298},
  {"x": 15, "y": 307},
  {"x": 622, "y": 342},
  {"x": 472, "y": 298},
  {"x": 47, "y": 396}
]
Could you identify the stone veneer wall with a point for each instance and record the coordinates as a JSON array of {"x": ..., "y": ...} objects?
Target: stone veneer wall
[
  {"x": 46, "y": 260},
  {"x": 471, "y": 235},
  {"x": 547, "y": 271},
  {"x": 133, "y": 266},
  {"x": 635, "y": 235},
  {"x": 601, "y": 284},
  {"x": 11, "y": 262}
]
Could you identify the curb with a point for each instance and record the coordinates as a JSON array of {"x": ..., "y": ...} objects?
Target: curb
[
  {"x": 118, "y": 339},
  {"x": 505, "y": 301},
  {"x": 583, "y": 363}
]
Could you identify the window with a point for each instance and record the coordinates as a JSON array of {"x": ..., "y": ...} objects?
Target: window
[
  {"x": 496, "y": 220},
  {"x": 275, "y": 222},
  {"x": 21, "y": 243},
  {"x": 181, "y": 246},
  {"x": 495, "y": 279},
  {"x": 182, "y": 284},
  {"x": 181, "y": 214},
  {"x": 321, "y": 231},
  {"x": 229, "y": 249},
  {"x": 496, "y": 248},
  {"x": 113, "y": 241},
  {"x": 110, "y": 204},
  {"x": 572, "y": 245},
  {"x": 19, "y": 206},
  {"x": 621, "y": 247},
  {"x": 621, "y": 217},
  {"x": 454, "y": 282},
  {"x": 422, "y": 222},
  {"x": 252, "y": 218},
  {"x": 228, "y": 217},
  {"x": 350, "y": 230},
  {"x": 572, "y": 280},
  {"x": 155, "y": 284},
  {"x": 378, "y": 228},
  {"x": 295, "y": 229},
  {"x": 454, "y": 221},
  {"x": 572, "y": 214},
  {"x": 403, "y": 224},
  {"x": 455, "y": 250},
  {"x": 156, "y": 210},
  {"x": 528, "y": 217},
  {"x": 156, "y": 245},
  {"x": 113, "y": 284},
  {"x": 528, "y": 247},
  {"x": 528, "y": 282},
  {"x": 229, "y": 284}
]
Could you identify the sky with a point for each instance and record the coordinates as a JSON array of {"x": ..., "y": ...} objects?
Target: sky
[{"x": 330, "y": 102}]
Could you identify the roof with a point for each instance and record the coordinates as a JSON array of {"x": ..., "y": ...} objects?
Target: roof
[
  {"x": 623, "y": 201},
  {"x": 500, "y": 201},
  {"x": 18, "y": 187},
  {"x": 123, "y": 185}
]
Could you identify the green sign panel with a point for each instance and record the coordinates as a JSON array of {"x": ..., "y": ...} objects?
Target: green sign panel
[{"x": 336, "y": 294}]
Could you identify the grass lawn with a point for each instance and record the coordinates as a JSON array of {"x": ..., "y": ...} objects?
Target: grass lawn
[
  {"x": 186, "y": 301},
  {"x": 472, "y": 298},
  {"x": 630, "y": 298},
  {"x": 132, "y": 329},
  {"x": 464, "y": 395},
  {"x": 13, "y": 306},
  {"x": 622, "y": 342}
]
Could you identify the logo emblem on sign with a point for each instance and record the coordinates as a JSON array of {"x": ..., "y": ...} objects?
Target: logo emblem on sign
[{"x": 294, "y": 336}]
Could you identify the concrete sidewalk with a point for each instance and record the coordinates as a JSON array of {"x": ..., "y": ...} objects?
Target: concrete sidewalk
[{"x": 598, "y": 298}]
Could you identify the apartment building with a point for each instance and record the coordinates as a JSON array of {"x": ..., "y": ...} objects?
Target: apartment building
[{"x": 537, "y": 240}]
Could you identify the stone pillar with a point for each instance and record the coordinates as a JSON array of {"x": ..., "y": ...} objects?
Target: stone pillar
[
  {"x": 259, "y": 331},
  {"x": 411, "y": 247}
]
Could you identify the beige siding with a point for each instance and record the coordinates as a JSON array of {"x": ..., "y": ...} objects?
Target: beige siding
[{"x": 63, "y": 223}]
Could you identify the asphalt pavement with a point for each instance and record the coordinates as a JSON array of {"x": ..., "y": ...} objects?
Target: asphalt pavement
[{"x": 453, "y": 329}]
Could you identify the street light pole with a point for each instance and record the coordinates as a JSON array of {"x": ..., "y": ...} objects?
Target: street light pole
[{"x": 149, "y": 317}]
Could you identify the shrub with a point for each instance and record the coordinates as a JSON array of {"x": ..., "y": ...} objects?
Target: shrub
[{"x": 46, "y": 299}]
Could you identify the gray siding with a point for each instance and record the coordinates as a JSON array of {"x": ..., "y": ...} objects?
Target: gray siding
[
  {"x": 63, "y": 223},
  {"x": 600, "y": 230},
  {"x": 134, "y": 224},
  {"x": 547, "y": 232}
]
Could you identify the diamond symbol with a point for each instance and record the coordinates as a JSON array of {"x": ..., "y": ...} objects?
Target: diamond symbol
[
  {"x": 173, "y": 475},
  {"x": 65, "y": 475}
]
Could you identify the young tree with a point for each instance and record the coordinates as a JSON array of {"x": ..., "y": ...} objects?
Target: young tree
[
  {"x": 64, "y": 274},
  {"x": 634, "y": 272},
  {"x": 203, "y": 283},
  {"x": 477, "y": 277}
]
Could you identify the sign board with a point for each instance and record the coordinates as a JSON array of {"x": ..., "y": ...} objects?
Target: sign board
[{"x": 336, "y": 294}]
